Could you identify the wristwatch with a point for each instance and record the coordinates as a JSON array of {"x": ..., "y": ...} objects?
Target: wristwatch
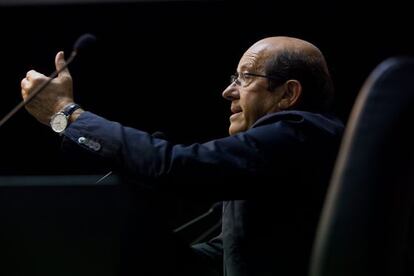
[{"x": 60, "y": 120}]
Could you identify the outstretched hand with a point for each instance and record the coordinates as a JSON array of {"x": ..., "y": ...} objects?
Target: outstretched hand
[{"x": 54, "y": 96}]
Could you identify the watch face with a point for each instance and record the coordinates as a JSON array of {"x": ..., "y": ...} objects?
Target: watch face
[{"x": 59, "y": 122}]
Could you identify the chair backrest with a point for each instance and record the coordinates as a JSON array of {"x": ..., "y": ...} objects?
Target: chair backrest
[{"x": 367, "y": 223}]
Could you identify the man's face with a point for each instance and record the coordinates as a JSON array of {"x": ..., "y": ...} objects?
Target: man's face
[{"x": 250, "y": 99}]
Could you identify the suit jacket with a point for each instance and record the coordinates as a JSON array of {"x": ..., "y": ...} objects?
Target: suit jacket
[{"x": 272, "y": 179}]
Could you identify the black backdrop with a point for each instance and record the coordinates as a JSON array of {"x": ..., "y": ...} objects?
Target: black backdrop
[{"x": 161, "y": 66}]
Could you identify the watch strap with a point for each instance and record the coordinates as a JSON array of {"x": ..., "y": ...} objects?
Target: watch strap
[{"x": 70, "y": 108}]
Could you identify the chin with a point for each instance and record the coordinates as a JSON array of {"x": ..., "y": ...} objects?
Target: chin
[{"x": 236, "y": 128}]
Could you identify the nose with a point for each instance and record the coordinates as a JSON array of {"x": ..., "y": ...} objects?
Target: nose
[{"x": 231, "y": 92}]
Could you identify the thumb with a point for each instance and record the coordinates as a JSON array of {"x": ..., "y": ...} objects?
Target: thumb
[{"x": 60, "y": 63}]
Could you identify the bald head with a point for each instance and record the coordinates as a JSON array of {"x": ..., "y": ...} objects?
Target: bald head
[
  {"x": 287, "y": 58},
  {"x": 276, "y": 45},
  {"x": 284, "y": 42}
]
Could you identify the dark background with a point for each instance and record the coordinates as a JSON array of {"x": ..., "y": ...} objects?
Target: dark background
[{"x": 161, "y": 66}]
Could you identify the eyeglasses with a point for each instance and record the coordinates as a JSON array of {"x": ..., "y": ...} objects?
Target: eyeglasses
[{"x": 242, "y": 79}]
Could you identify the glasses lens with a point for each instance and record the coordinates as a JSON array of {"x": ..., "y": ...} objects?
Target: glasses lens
[{"x": 233, "y": 78}]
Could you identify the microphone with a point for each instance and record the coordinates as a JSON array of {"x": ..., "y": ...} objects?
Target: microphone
[{"x": 81, "y": 43}]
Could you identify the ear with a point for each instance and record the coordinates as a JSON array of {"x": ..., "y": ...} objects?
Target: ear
[{"x": 291, "y": 97}]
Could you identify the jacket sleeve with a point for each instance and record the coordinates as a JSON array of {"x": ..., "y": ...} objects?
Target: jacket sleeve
[{"x": 239, "y": 156}]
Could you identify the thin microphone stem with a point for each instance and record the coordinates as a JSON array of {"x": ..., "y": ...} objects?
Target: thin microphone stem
[
  {"x": 103, "y": 177},
  {"x": 191, "y": 222},
  {"x": 37, "y": 91},
  {"x": 207, "y": 233}
]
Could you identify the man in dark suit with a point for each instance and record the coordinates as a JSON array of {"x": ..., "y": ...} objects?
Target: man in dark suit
[{"x": 282, "y": 145}]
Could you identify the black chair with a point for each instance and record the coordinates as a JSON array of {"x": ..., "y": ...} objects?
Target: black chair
[{"x": 367, "y": 223}]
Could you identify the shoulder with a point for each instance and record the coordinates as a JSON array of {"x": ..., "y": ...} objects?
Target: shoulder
[{"x": 302, "y": 119}]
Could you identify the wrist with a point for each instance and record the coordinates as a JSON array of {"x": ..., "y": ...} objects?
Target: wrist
[
  {"x": 61, "y": 120},
  {"x": 74, "y": 116}
]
